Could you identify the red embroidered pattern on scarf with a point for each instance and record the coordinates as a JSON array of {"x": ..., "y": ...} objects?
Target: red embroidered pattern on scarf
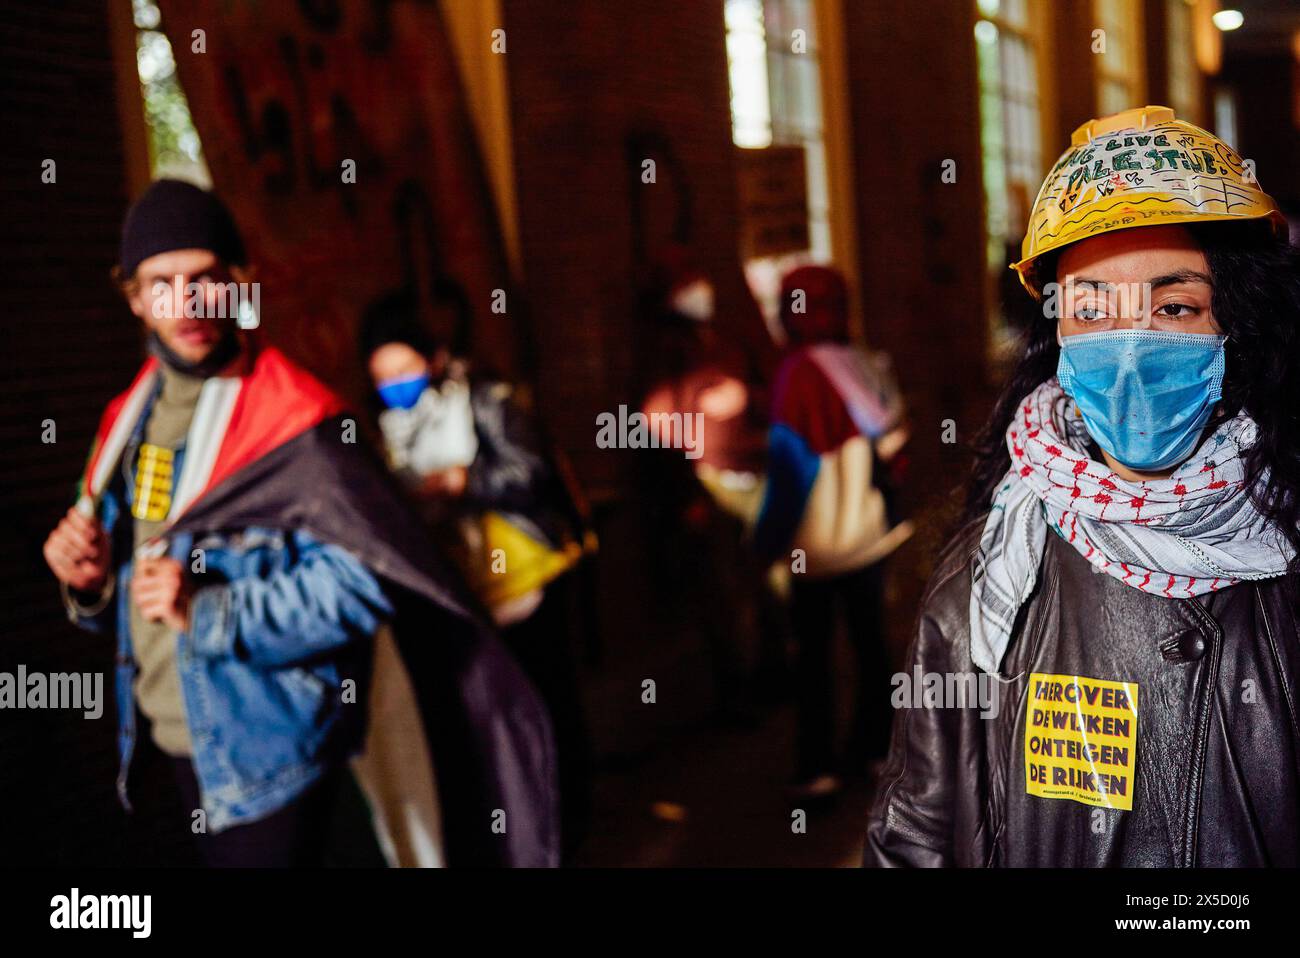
[{"x": 1046, "y": 468}]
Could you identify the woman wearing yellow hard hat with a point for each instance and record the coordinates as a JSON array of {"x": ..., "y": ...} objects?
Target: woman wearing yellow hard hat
[{"x": 1114, "y": 628}]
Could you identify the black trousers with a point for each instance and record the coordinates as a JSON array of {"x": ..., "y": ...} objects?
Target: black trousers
[
  {"x": 541, "y": 646},
  {"x": 815, "y": 605},
  {"x": 293, "y": 837}
]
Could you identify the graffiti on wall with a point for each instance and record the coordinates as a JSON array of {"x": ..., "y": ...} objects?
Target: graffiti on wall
[{"x": 338, "y": 134}]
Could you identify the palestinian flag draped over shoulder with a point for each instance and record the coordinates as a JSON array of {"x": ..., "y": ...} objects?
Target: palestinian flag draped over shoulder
[{"x": 267, "y": 448}]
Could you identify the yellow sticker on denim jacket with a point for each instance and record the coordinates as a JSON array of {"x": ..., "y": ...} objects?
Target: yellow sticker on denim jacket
[
  {"x": 153, "y": 483},
  {"x": 1081, "y": 739}
]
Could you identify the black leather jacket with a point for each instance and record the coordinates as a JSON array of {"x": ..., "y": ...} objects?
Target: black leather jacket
[{"x": 1218, "y": 745}]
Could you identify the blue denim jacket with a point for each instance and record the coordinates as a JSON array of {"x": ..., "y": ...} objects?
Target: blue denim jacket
[{"x": 279, "y": 622}]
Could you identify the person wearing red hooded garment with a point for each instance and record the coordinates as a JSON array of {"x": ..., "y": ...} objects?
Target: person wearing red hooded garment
[{"x": 837, "y": 415}]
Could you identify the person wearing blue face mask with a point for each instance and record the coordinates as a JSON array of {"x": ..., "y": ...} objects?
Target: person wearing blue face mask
[
  {"x": 1145, "y": 395},
  {"x": 402, "y": 392},
  {"x": 427, "y": 421},
  {"x": 1124, "y": 582},
  {"x": 497, "y": 503}
]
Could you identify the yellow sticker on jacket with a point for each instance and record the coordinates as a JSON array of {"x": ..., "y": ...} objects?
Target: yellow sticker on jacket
[
  {"x": 153, "y": 483},
  {"x": 1081, "y": 739}
]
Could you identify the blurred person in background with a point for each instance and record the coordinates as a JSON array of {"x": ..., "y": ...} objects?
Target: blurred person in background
[
  {"x": 711, "y": 500},
  {"x": 1126, "y": 575},
  {"x": 252, "y": 564},
  {"x": 838, "y": 422},
  {"x": 474, "y": 461}
]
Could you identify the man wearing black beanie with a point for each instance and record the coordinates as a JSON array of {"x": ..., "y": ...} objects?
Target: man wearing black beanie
[
  {"x": 179, "y": 255},
  {"x": 250, "y": 561}
]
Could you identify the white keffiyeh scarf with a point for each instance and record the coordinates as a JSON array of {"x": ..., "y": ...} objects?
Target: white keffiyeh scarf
[{"x": 1192, "y": 533}]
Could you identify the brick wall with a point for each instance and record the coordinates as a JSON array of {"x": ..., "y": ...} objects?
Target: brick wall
[
  {"x": 921, "y": 248},
  {"x": 593, "y": 93},
  {"x": 69, "y": 344}
]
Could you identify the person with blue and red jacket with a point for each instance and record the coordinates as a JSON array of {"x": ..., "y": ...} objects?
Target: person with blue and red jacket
[
  {"x": 261, "y": 579},
  {"x": 837, "y": 416}
]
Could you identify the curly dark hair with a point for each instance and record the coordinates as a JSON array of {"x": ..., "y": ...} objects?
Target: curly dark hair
[{"x": 1256, "y": 302}]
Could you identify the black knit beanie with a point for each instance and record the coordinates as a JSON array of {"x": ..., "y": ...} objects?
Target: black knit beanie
[{"x": 172, "y": 214}]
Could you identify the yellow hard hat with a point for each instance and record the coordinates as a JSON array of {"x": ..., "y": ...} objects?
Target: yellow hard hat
[{"x": 1142, "y": 167}]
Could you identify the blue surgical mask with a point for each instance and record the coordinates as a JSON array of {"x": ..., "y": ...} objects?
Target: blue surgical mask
[
  {"x": 402, "y": 393},
  {"x": 1145, "y": 395}
]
